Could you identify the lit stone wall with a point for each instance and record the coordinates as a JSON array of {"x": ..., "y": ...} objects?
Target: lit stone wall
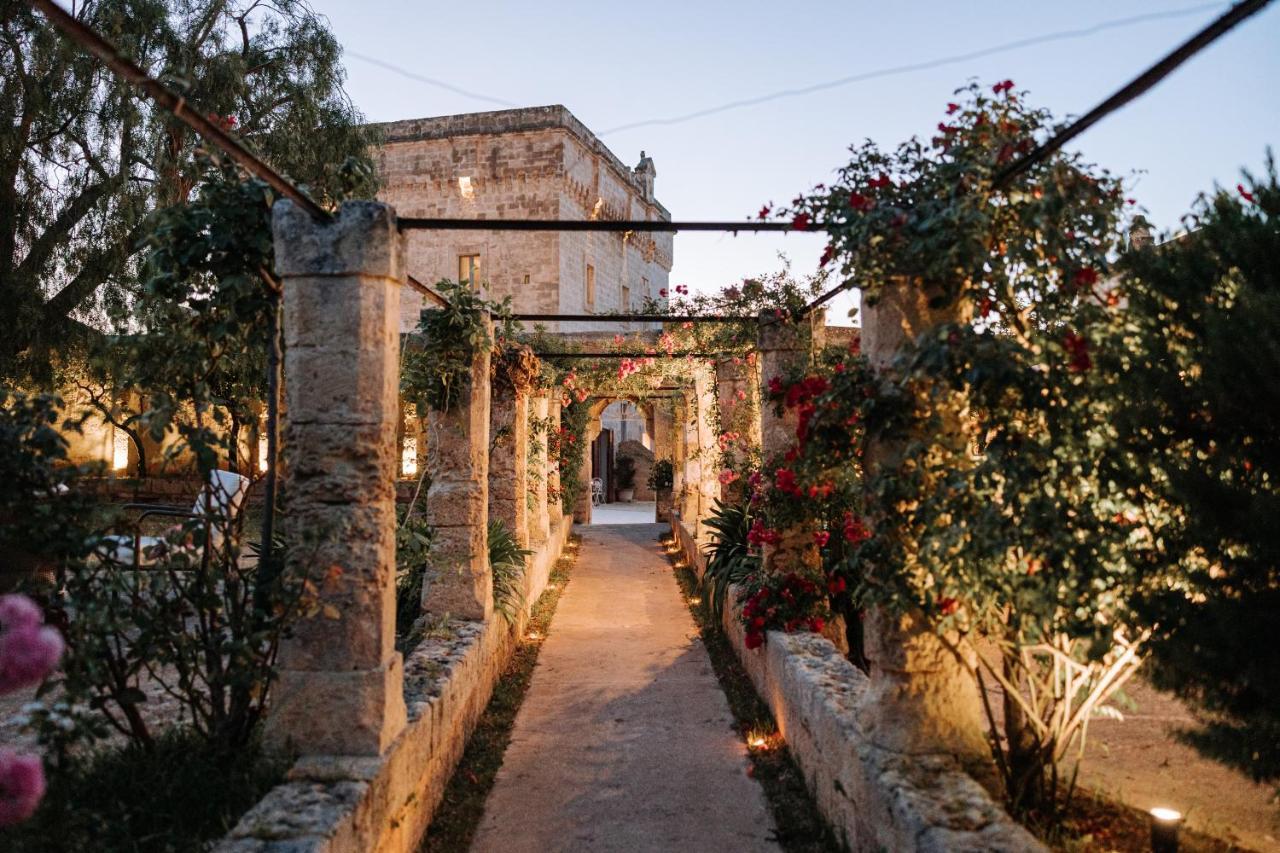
[{"x": 535, "y": 163}]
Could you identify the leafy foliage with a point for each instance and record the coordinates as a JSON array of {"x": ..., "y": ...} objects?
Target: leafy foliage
[
  {"x": 438, "y": 359},
  {"x": 413, "y": 548},
  {"x": 624, "y": 472},
  {"x": 1195, "y": 354},
  {"x": 506, "y": 561},
  {"x": 86, "y": 161},
  {"x": 731, "y": 560},
  {"x": 662, "y": 475},
  {"x": 774, "y": 601}
]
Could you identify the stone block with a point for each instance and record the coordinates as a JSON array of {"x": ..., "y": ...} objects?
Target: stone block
[
  {"x": 341, "y": 313},
  {"x": 363, "y": 239},
  {"x": 342, "y": 388},
  {"x": 458, "y": 581},
  {"x": 356, "y": 712}
]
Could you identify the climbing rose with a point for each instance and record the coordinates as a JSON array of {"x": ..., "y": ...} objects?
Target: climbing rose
[
  {"x": 764, "y": 211},
  {"x": 822, "y": 537},
  {"x": 858, "y": 201},
  {"x": 754, "y": 639},
  {"x": 18, "y": 611},
  {"x": 727, "y": 476},
  {"x": 21, "y": 786},
  {"x": 1002, "y": 87},
  {"x": 952, "y": 108},
  {"x": 816, "y": 624},
  {"x": 1244, "y": 193},
  {"x": 801, "y": 222},
  {"x": 880, "y": 182},
  {"x": 1085, "y": 277},
  {"x": 662, "y": 292},
  {"x": 827, "y": 254}
]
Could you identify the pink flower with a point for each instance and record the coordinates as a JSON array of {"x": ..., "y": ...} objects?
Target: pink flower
[
  {"x": 28, "y": 650},
  {"x": 663, "y": 293},
  {"x": 821, "y": 538},
  {"x": 18, "y": 611},
  {"x": 727, "y": 477},
  {"x": 21, "y": 786},
  {"x": 952, "y": 108}
]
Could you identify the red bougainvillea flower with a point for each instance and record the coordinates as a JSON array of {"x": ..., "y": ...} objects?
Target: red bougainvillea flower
[
  {"x": 880, "y": 182},
  {"x": 948, "y": 605},
  {"x": 855, "y": 532},
  {"x": 21, "y": 786},
  {"x": 858, "y": 201},
  {"x": 663, "y": 293},
  {"x": 1244, "y": 193},
  {"x": 1085, "y": 277},
  {"x": 836, "y": 585},
  {"x": 1078, "y": 352},
  {"x": 1004, "y": 86},
  {"x": 801, "y": 222},
  {"x": 827, "y": 254},
  {"x": 816, "y": 624},
  {"x": 785, "y": 480},
  {"x": 764, "y": 211},
  {"x": 682, "y": 289},
  {"x": 822, "y": 537},
  {"x": 984, "y": 307},
  {"x": 754, "y": 639},
  {"x": 948, "y": 129},
  {"x": 952, "y": 109},
  {"x": 775, "y": 385}
]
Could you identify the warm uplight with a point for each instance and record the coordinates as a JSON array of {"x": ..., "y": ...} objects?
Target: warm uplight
[
  {"x": 409, "y": 457},
  {"x": 465, "y": 187},
  {"x": 119, "y": 449},
  {"x": 263, "y": 460},
  {"x": 695, "y": 601},
  {"x": 1164, "y": 830},
  {"x": 757, "y": 742},
  {"x": 533, "y": 635}
]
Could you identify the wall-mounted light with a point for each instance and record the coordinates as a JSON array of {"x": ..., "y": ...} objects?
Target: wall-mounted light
[
  {"x": 119, "y": 449},
  {"x": 409, "y": 456},
  {"x": 466, "y": 188},
  {"x": 1164, "y": 830}
]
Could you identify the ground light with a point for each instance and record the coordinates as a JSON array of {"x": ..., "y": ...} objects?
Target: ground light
[{"x": 1164, "y": 830}]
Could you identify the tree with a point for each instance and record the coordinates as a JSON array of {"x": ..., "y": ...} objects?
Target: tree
[
  {"x": 1201, "y": 342},
  {"x": 85, "y": 161}
]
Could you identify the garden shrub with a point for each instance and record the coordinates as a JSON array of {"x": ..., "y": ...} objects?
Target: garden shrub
[
  {"x": 507, "y": 562},
  {"x": 731, "y": 560}
]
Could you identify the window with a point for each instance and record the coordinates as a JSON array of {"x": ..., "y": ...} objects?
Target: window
[
  {"x": 469, "y": 270},
  {"x": 591, "y": 285},
  {"x": 626, "y": 298}
]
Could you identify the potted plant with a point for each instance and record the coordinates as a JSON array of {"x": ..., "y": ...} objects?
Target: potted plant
[
  {"x": 662, "y": 478},
  {"x": 624, "y": 477}
]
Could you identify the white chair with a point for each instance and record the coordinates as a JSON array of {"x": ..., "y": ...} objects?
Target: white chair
[
  {"x": 218, "y": 503},
  {"x": 597, "y": 491}
]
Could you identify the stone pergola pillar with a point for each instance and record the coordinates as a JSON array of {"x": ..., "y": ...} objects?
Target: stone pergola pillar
[
  {"x": 509, "y": 460},
  {"x": 458, "y": 580},
  {"x": 340, "y": 684},
  {"x": 783, "y": 346},
  {"x": 555, "y": 503},
  {"x": 923, "y": 699},
  {"x": 663, "y": 448},
  {"x": 582, "y": 506},
  {"x": 704, "y": 386},
  {"x": 539, "y": 519}
]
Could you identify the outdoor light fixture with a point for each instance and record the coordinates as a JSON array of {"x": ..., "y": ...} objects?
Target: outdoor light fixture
[
  {"x": 263, "y": 461},
  {"x": 119, "y": 449},
  {"x": 757, "y": 742},
  {"x": 465, "y": 187},
  {"x": 1164, "y": 830},
  {"x": 533, "y": 635},
  {"x": 409, "y": 457},
  {"x": 695, "y": 600}
]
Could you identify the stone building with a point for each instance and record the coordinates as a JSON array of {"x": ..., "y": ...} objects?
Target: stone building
[{"x": 533, "y": 163}]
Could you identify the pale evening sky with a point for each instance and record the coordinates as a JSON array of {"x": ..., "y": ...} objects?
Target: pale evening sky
[{"x": 614, "y": 64}]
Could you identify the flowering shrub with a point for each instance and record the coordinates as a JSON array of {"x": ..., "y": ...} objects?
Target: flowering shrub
[
  {"x": 787, "y": 602},
  {"x": 996, "y": 501},
  {"x": 29, "y": 651}
]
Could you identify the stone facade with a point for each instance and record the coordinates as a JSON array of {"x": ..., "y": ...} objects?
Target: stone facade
[{"x": 534, "y": 163}]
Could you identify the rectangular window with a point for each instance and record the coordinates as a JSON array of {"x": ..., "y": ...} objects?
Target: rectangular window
[
  {"x": 626, "y": 298},
  {"x": 469, "y": 270},
  {"x": 591, "y": 285}
]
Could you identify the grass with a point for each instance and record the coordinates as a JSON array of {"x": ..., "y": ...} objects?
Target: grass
[
  {"x": 175, "y": 797},
  {"x": 800, "y": 826},
  {"x": 460, "y": 811}
]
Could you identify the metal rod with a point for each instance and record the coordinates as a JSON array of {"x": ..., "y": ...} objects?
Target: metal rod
[
  {"x": 1138, "y": 86},
  {"x": 411, "y": 223},
  {"x": 177, "y": 105},
  {"x": 636, "y": 318},
  {"x": 663, "y": 355},
  {"x": 1135, "y": 88}
]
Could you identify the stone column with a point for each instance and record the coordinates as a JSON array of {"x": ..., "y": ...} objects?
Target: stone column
[
  {"x": 340, "y": 684},
  {"x": 582, "y": 506},
  {"x": 704, "y": 384},
  {"x": 922, "y": 698},
  {"x": 782, "y": 347},
  {"x": 458, "y": 580},
  {"x": 509, "y": 460},
  {"x": 539, "y": 519},
  {"x": 555, "y": 503}
]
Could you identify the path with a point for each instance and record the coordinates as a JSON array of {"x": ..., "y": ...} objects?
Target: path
[{"x": 625, "y": 741}]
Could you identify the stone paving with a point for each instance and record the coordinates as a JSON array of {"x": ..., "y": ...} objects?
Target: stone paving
[{"x": 625, "y": 741}]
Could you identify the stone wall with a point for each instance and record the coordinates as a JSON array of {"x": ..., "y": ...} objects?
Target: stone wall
[
  {"x": 535, "y": 163},
  {"x": 874, "y": 798}
]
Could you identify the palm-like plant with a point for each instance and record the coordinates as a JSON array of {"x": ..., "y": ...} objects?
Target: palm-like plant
[
  {"x": 506, "y": 559},
  {"x": 729, "y": 558}
]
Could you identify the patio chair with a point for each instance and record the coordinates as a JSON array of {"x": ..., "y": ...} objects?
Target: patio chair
[
  {"x": 597, "y": 491},
  {"x": 218, "y": 503}
]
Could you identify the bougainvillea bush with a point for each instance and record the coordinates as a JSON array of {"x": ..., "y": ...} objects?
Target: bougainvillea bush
[{"x": 999, "y": 504}]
